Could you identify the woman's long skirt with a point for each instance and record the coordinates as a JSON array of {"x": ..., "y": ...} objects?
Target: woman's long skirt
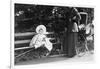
[{"x": 70, "y": 41}]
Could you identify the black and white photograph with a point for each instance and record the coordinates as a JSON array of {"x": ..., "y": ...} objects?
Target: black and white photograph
[{"x": 52, "y": 33}]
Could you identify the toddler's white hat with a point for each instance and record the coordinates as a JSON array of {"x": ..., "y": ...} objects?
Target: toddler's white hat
[{"x": 41, "y": 27}]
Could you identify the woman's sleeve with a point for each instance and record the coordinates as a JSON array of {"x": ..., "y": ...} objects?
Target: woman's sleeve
[{"x": 75, "y": 27}]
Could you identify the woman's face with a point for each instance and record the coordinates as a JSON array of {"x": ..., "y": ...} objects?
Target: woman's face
[{"x": 41, "y": 31}]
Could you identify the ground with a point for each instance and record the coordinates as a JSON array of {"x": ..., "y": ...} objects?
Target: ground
[{"x": 86, "y": 58}]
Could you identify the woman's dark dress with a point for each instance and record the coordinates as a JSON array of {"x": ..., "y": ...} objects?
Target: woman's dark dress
[{"x": 70, "y": 40}]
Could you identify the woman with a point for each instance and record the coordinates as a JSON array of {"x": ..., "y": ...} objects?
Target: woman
[
  {"x": 70, "y": 38},
  {"x": 40, "y": 42}
]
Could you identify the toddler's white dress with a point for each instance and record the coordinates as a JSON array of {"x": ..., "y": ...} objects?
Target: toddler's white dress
[{"x": 40, "y": 40}]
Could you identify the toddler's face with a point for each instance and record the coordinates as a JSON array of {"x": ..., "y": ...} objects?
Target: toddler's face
[{"x": 41, "y": 31}]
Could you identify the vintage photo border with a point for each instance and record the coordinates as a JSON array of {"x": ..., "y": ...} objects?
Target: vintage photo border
[{"x": 12, "y": 24}]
